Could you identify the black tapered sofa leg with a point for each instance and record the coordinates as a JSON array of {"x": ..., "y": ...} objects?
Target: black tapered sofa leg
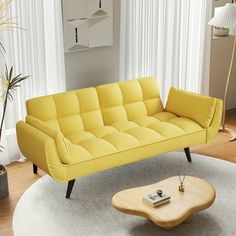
[
  {"x": 35, "y": 169},
  {"x": 69, "y": 188},
  {"x": 188, "y": 154}
]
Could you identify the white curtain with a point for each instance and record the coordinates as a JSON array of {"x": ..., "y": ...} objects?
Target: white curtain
[
  {"x": 169, "y": 39},
  {"x": 37, "y": 50}
]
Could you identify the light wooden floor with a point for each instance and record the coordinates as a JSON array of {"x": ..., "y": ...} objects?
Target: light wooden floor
[
  {"x": 21, "y": 177},
  {"x": 220, "y": 147}
]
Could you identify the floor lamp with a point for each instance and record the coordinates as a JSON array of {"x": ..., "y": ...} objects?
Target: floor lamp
[{"x": 226, "y": 18}]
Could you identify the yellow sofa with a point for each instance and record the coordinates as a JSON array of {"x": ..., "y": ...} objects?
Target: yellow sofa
[{"x": 81, "y": 132}]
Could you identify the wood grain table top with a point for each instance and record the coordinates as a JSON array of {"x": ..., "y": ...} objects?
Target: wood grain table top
[{"x": 198, "y": 195}]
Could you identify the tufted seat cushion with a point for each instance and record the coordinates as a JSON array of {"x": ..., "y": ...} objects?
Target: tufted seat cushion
[{"x": 125, "y": 135}]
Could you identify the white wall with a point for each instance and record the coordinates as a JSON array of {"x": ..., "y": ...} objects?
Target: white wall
[
  {"x": 220, "y": 59},
  {"x": 101, "y": 65},
  {"x": 98, "y": 65},
  {"x": 221, "y": 50}
]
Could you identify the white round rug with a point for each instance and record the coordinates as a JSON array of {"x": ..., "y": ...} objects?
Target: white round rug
[{"x": 43, "y": 209}]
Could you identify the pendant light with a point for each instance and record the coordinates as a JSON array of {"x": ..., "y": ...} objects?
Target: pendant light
[
  {"x": 100, "y": 12},
  {"x": 77, "y": 45},
  {"x": 77, "y": 22}
]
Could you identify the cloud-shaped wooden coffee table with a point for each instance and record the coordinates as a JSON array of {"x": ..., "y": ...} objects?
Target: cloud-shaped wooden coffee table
[{"x": 198, "y": 196}]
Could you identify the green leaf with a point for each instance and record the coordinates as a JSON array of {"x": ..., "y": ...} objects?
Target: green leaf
[
  {"x": 1, "y": 148},
  {"x": 14, "y": 82},
  {"x": 10, "y": 96},
  {"x": 10, "y": 74},
  {"x": 2, "y": 47}
]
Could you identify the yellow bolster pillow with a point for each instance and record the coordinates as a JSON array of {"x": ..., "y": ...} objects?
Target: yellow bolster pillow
[
  {"x": 191, "y": 105},
  {"x": 62, "y": 144}
]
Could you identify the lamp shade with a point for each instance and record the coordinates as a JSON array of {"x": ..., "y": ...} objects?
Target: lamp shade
[{"x": 225, "y": 17}]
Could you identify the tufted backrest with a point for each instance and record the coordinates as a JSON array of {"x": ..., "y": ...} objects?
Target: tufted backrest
[
  {"x": 90, "y": 108},
  {"x": 129, "y": 99}
]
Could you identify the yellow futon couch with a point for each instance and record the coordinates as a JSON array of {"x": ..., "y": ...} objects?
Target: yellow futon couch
[{"x": 77, "y": 133}]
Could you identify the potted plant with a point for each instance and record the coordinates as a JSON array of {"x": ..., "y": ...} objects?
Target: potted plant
[
  {"x": 9, "y": 84},
  {"x": 3, "y": 182}
]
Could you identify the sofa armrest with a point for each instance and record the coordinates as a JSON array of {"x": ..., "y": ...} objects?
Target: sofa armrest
[
  {"x": 216, "y": 121},
  {"x": 191, "y": 105},
  {"x": 41, "y": 150},
  {"x": 61, "y": 142}
]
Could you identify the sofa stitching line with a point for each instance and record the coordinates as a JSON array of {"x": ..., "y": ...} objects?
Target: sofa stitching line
[{"x": 149, "y": 144}]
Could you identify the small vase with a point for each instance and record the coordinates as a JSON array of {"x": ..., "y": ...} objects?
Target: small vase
[
  {"x": 4, "y": 191},
  {"x": 221, "y": 32}
]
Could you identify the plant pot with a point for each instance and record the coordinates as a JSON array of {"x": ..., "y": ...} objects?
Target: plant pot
[{"x": 3, "y": 182}]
